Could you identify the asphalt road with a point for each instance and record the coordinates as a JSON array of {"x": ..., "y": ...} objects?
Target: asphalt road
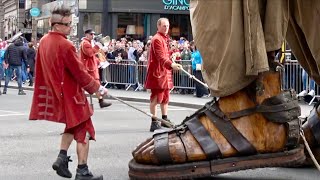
[{"x": 28, "y": 148}]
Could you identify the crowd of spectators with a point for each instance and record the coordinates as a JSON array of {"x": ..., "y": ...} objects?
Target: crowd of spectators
[
  {"x": 17, "y": 62},
  {"x": 123, "y": 50},
  {"x": 126, "y": 50}
]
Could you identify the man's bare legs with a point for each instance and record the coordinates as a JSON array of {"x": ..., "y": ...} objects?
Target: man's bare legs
[
  {"x": 153, "y": 106},
  {"x": 83, "y": 151},
  {"x": 61, "y": 164},
  {"x": 66, "y": 141},
  {"x": 83, "y": 170},
  {"x": 164, "y": 109},
  {"x": 153, "y": 110}
]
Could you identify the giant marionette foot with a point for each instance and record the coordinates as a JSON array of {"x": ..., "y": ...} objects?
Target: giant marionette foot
[{"x": 253, "y": 128}]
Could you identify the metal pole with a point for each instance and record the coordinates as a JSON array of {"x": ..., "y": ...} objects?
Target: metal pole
[
  {"x": 167, "y": 123},
  {"x": 91, "y": 103},
  {"x": 34, "y": 4},
  {"x": 194, "y": 78}
]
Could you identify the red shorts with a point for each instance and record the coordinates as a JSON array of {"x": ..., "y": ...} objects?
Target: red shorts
[
  {"x": 162, "y": 95},
  {"x": 80, "y": 131}
]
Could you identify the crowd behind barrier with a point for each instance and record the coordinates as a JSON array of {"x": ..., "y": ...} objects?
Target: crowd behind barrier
[
  {"x": 132, "y": 74},
  {"x": 123, "y": 73}
]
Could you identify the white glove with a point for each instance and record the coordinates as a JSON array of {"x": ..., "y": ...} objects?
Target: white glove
[
  {"x": 102, "y": 90},
  {"x": 98, "y": 44},
  {"x": 176, "y": 66}
]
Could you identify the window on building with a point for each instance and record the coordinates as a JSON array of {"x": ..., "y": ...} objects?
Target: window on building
[
  {"x": 93, "y": 21},
  {"x": 21, "y": 4},
  {"x": 132, "y": 25},
  {"x": 180, "y": 26}
]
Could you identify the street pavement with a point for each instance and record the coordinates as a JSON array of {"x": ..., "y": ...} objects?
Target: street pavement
[{"x": 28, "y": 148}]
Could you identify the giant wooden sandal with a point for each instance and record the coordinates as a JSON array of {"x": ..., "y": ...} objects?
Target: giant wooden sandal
[{"x": 236, "y": 132}]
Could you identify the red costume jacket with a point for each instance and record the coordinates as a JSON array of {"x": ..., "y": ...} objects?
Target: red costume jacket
[
  {"x": 59, "y": 83},
  {"x": 87, "y": 56},
  {"x": 159, "y": 72}
]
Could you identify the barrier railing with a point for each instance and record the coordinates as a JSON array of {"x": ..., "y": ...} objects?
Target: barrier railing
[
  {"x": 296, "y": 78},
  {"x": 128, "y": 73},
  {"x": 122, "y": 73}
]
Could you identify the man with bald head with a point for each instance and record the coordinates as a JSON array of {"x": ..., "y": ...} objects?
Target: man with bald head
[
  {"x": 159, "y": 75},
  {"x": 60, "y": 81}
]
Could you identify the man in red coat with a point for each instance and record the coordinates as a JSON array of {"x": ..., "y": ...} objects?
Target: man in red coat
[
  {"x": 159, "y": 76},
  {"x": 60, "y": 81},
  {"x": 89, "y": 59}
]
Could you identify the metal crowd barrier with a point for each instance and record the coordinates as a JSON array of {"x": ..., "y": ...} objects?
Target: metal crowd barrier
[
  {"x": 180, "y": 79},
  {"x": 122, "y": 74},
  {"x": 128, "y": 73},
  {"x": 294, "y": 77}
]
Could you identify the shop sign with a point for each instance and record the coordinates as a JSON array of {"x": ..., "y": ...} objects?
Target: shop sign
[
  {"x": 176, "y": 5},
  {"x": 34, "y": 12}
]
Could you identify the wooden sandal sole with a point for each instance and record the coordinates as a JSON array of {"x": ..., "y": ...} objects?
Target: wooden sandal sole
[{"x": 210, "y": 168}]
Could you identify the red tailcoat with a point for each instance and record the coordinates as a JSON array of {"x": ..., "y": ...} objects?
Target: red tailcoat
[
  {"x": 59, "y": 82},
  {"x": 159, "y": 72},
  {"x": 87, "y": 56}
]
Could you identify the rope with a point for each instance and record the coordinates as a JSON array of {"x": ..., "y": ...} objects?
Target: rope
[
  {"x": 167, "y": 123},
  {"x": 309, "y": 150}
]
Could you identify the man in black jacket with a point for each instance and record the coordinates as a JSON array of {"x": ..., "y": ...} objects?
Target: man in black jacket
[{"x": 14, "y": 56}]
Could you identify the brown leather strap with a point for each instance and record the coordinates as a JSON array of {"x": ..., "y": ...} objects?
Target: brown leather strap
[
  {"x": 206, "y": 142},
  {"x": 283, "y": 103},
  {"x": 314, "y": 121},
  {"x": 262, "y": 108},
  {"x": 241, "y": 113},
  {"x": 161, "y": 148},
  {"x": 293, "y": 133},
  {"x": 233, "y": 136}
]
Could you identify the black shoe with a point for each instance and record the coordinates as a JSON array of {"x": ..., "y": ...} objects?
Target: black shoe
[
  {"x": 21, "y": 92},
  {"x": 155, "y": 125},
  {"x": 4, "y": 91},
  {"x": 85, "y": 174},
  {"x": 104, "y": 104},
  {"x": 165, "y": 124},
  {"x": 61, "y": 166}
]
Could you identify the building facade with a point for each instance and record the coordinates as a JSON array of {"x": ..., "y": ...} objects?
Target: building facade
[
  {"x": 137, "y": 19},
  {"x": 12, "y": 16},
  {"x": 116, "y": 18}
]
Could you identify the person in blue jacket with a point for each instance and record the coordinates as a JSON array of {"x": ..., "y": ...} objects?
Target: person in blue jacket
[{"x": 196, "y": 61}]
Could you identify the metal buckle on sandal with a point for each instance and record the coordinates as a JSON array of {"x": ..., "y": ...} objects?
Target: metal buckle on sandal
[{"x": 181, "y": 129}]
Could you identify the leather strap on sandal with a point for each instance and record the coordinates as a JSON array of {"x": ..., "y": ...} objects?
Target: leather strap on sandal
[
  {"x": 281, "y": 108},
  {"x": 161, "y": 148},
  {"x": 206, "y": 142},
  {"x": 233, "y": 136},
  {"x": 293, "y": 133}
]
